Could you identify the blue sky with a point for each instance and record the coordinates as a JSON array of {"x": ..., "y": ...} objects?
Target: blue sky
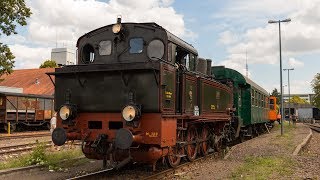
[{"x": 220, "y": 30}]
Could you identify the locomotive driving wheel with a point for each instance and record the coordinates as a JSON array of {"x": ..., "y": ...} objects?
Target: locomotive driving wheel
[
  {"x": 205, "y": 144},
  {"x": 192, "y": 146},
  {"x": 175, "y": 152},
  {"x": 174, "y": 157}
]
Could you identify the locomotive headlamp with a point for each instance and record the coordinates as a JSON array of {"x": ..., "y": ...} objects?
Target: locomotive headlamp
[
  {"x": 67, "y": 112},
  {"x": 116, "y": 28},
  {"x": 130, "y": 112}
]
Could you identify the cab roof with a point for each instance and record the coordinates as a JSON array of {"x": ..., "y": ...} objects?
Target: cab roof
[{"x": 171, "y": 37}]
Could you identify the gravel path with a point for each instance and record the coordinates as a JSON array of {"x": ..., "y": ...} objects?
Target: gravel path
[
  {"x": 309, "y": 160},
  {"x": 267, "y": 145}
]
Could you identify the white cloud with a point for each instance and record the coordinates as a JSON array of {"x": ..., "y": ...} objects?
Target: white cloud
[
  {"x": 227, "y": 38},
  {"x": 299, "y": 37},
  {"x": 66, "y": 20},
  {"x": 27, "y": 57},
  {"x": 294, "y": 63},
  {"x": 298, "y": 87},
  {"x": 62, "y": 22}
]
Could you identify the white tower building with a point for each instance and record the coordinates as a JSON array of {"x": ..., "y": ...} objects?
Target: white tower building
[{"x": 63, "y": 56}]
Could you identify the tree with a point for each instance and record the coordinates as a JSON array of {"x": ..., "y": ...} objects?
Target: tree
[
  {"x": 12, "y": 12},
  {"x": 315, "y": 84},
  {"x": 298, "y": 100},
  {"x": 6, "y": 60},
  {"x": 49, "y": 64},
  {"x": 276, "y": 94}
]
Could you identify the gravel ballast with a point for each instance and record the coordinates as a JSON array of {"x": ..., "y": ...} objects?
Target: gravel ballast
[{"x": 271, "y": 146}]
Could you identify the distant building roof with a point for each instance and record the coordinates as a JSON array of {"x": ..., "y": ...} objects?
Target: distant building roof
[{"x": 32, "y": 81}]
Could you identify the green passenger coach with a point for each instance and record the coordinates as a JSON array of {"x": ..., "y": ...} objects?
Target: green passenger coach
[{"x": 249, "y": 99}]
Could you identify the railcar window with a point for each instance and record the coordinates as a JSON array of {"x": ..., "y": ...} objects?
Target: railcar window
[
  {"x": 136, "y": 45},
  {"x": 271, "y": 101},
  {"x": 40, "y": 103},
  {"x": 11, "y": 103},
  {"x": 155, "y": 49},
  {"x": 88, "y": 54},
  {"x": 105, "y": 48},
  {"x": 48, "y": 104}
]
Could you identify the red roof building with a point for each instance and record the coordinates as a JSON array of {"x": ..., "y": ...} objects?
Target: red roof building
[{"x": 32, "y": 81}]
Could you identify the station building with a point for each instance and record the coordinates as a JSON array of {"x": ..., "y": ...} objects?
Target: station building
[{"x": 307, "y": 97}]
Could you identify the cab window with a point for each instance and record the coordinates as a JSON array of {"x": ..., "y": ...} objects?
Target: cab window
[
  {"x": 105, "y": 48},
  {"x": 136, "y": 45}
]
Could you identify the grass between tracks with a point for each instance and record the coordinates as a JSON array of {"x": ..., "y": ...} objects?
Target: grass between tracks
[
  {"x": 286, "y": 140},
  {"x": 270, "y": 167},
  {"x": 42, "y": 156},
  {"x": 264, "y": 168}
]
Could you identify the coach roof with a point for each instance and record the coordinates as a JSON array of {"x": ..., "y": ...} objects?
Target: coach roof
[{"x": 222, "y": 72}]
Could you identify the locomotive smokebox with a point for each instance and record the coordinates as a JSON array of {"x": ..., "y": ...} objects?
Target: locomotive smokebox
[{"x": 59, "y": 136}]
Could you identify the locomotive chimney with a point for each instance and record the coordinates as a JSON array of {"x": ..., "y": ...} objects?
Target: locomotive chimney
[
  {"x": 209, "y": 61},
  {"x": 119, "y": 19}
]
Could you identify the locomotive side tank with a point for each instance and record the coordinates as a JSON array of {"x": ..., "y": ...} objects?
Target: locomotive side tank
[{"x": 139, "y": 94}]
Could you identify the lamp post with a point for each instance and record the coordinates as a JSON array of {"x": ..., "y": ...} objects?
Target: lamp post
[
  {"x": 289, "y": 91},
  {"x": 281, "y": 95}
]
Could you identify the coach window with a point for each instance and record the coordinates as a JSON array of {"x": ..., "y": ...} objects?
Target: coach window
[
  {"x": 105, "y": 48},
  {"x": 252, "y": 97},
  {"x": 256, "y": 97},
  {"x": 259, "y": 99},
  {"x": 136, "y": 45}
]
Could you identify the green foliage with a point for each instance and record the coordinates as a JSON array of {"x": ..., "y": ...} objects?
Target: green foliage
[
  {"x": 41, "y": 156},
  {"x": 49, "y": 64},
  {"x": 315, "y": 84},
  {"x": 12, "y": 13},
  {"x": 38, "y": 155},
  {"x": 6, "y": 60},
  {"x": 264, "y": 168},
  {"x": 276, "y": 94},
  {"x": 298, "y": 100}
]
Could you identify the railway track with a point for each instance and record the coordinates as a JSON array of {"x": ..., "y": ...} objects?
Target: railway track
[
  {"x": 139, "y": 174},
  {"x": 19, "y": 136},
  {"x": 314, "y": 127},
  {"x": 172, "y": 171},
  {"x": 21, "y": 147},
  {"x": 26, "y": 147}
]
